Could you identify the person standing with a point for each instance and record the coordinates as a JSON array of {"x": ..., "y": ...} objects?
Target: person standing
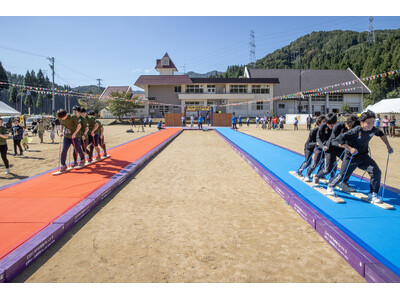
[
  {"x": 234, "y": 123},
  {"x": 102, "y": 144},
  {"x": 281, "y": 121},
  {"x": 183, "y": 120},
  {"x": 355, "y": 142},
  {"x": 208, "y": 119},
  {"x": 18, "y": 134},
  {"x": 392, "y": 124},
  {"x": 150, "y": 121},
  {"x": 144, "y": 121},
  {"x": 94, "y": 136},
  {"x": 71, "y": 136},
  {"x": 385, "y": 125},
  {"x": 378, "y": 121},
  {"x": 309, "y": 122},
  {"x": 40, "y": 129},
  {"x": 248, "y": 121},
  {"x": 240, "y": 120},
  {"x": 295, "y": 124},
  {"x": 34, "y": 123},
  {"x": 257, "y": 120},
  {"x": 3, "y": 146},
  {"x": 191, "y": 120},
  {"x": 201, "y": 120}
]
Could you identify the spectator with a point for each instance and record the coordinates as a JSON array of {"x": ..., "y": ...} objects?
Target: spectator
[
  {"x": 18, "y": 134},
  {"x": 295, "y": 124},
  {"x": 208, "y": 119},
  {"x": 191, "y": 120},
  {"x": 275, "y": 121},
  {"x": 385, "y": 125},
  {"x": 248, "y": 121},
  {"x": 183, "y": 121},
  {"x": 234, "y": 123},
  {"x": 201, "y": 120},
  {"x": 392, "y": 124},
  {"x": 150, "y": 121},
  {"x": 281, "y": 121},
  {"x": 3, "y": 146},
  {"x": 240, "y": 120},
  {"x": 257, "y": 120},
  {"x": 34, "y": 123},
  {"x": 378, "y": 121},
  {"x": 309, "y": 122},
  {"x": 40, "y": 129}
]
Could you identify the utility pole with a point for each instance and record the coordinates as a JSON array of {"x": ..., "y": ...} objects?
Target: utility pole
[
  {"x": 53, "y": 101},
  {"x": 300, "y": 107},
  {"x": 99, "y": 82},
  {"x": 68, "y": 105}
]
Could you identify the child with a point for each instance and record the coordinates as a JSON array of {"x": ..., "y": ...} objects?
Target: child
[
  {"x": 52, "y": 133},
  {"x": 332, "y": 151},
  {"x": 240, "y": 120},
  {"x": 72, "y": 135},
  {"x": 25, "y": 139},
  {"x": 248, "y": 121},
  {"x": 94, "y": 137},
  {"x": 159, "y": 125},
  {"x": 3, "y": 146},
  {"x": 356, "y": 141},
  {"x": 150, "y": 121},
  {"x": 310, "y": 146},
  {"x": 100, "y": 132},
  {"x": 191, "y": 120},
  {"x": 296, "y": 122},
  {"x": 323, "y": 134},
  {"x": 385, "y": 125},
  {"x": 17, "y": 132},
  {"x": 201, "y": 119}
]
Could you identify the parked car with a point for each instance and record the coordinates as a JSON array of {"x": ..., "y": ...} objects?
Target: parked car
[
  {"x": 29, "y": 121},
  {"x": 7, "y": 121}
]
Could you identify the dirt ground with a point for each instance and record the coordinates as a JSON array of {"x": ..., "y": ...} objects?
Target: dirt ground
[{"x": 196, "y": 213}]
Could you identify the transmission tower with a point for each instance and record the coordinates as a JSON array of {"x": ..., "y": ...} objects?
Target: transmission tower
[
  {"x": 371, "y": 33},
  {"x": 252, "y": 44}
]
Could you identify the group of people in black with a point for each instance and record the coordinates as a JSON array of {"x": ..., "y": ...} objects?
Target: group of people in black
[{"x": 349, "y": 141}]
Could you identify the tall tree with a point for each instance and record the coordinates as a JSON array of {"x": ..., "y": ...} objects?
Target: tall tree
[
  {"x": 3, "y": 78},
  {"x": 34, "y": 83},
  {"x": 39, "y": 103},
  {"x": 123, "y": 104},
  {"x": 28, "y": 82},
  {"x": 13, "y": 96}
]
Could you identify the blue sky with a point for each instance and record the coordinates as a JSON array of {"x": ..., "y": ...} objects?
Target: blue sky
[{"x": 120, "y": 49}]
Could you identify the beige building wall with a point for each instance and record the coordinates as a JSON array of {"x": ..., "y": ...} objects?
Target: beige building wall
[{"x": 163, "y": 93}]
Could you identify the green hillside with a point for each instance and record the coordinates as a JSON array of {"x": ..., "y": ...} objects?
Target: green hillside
[{"x": 341, "y": 50}]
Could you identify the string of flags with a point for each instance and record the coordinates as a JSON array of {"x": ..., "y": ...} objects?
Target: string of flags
[{"x": 313, "y": 92}]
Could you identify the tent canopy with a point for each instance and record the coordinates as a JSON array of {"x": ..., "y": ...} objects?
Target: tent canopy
[
  {"x": 7, "y": 110},
  {"x": 386, "y": 106}
]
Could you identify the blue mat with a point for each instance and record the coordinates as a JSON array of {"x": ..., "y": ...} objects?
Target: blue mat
[{"x": 375, "y": 229}]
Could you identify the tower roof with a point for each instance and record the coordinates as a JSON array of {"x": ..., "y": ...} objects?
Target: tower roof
[{"x": 168, "y": 65}]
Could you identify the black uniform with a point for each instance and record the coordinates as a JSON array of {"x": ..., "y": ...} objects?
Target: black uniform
[
  {"x": 333, "y": 151},
  {"x": 309, "y": 148},
  {"x": 323, "y": 134},
  {"x": 359, "y": 139}
]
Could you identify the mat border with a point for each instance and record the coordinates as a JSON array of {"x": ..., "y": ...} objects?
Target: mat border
[
  {"x": 360, "y": 259},
  {"x": 19, "y": 259}
]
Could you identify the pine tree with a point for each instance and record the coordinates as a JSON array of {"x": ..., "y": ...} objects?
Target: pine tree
[
  {"x": 3, "y": 78},
  {"x": 39, "y": 103},
  {"x": 13, "y": 95}
]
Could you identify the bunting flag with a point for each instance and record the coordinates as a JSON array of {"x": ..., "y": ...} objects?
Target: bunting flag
[{"x": 313, "y": 92}]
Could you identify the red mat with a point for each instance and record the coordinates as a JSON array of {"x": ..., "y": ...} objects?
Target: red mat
[{"x": 30, "y": 206}]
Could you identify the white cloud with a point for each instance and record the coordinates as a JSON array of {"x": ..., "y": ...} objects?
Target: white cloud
[
  {"x": 147, "y": 71},
  {"x": 136, "y": 70}
]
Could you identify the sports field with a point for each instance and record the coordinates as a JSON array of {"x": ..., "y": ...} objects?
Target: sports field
[{"x": 196, "y": 213}]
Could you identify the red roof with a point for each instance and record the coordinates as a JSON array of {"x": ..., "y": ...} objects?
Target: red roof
[
  {"x": 169, "y": 66},
  {"x": 163, "y": 80}
]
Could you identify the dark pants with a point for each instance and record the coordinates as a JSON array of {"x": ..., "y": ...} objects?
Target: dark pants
[
  {"x": 3, "y": 151},
  {"x": 94, "y": 142},
  {"x": 365, "y": 163},
  {"x": 17, "y": 143},
  {"x": 308, "y": 126},
  {"x": 316, "y": 160},
  {"x": 200, "y": 125},
  {"x": 103, "y": 145},
  {"x": 329, "y": 162},
  {"x": 149, "y": 124},
  {"x": 77, "y": 147},
  {"x": 307, "y": 159},
  {"x": 83, "y": 146},
  {"x": 234, "y": 126}
]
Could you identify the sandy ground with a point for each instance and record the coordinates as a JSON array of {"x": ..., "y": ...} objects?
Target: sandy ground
[{"x": 196, "y": 213}]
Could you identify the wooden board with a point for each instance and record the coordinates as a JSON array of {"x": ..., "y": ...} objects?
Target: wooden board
[
  {"x": 320, "y": 189},
  {"x": 356, "y": 194},
  {"x": 78, "y": 168}
]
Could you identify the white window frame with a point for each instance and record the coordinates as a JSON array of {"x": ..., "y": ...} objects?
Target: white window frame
[
  {"x": 238, "y": 89},
  {"x": 260, "y": 89}
]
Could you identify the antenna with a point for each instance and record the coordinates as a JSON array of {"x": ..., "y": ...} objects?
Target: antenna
[
  {"x": 371, "y": 32},
  {"x": 252, "y": 49}
]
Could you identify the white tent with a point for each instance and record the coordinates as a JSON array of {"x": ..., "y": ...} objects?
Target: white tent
[
  {"x": 7, "y": 110},
  {"x": 386, "y": 106}
]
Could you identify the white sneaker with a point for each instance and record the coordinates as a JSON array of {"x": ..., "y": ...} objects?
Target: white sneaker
[
  {"x": 307, "y": 178},
  {"x": 373, "y": 197},
  {"x": 346, "y": 188},
  {"x": 8, "y": 171},
  {"x": 330, "y": 191}
]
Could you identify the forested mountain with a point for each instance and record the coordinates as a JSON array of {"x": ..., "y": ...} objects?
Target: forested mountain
[{"x": 341, "y": 50}]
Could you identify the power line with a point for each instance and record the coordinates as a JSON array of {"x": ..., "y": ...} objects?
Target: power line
[{"x": 22, "y": 51}]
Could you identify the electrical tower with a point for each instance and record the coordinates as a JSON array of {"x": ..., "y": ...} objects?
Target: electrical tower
[
  {"x": 371, "y": 32},
  {"x": 99, "y": 81},
  {"x": 252, "y": 44}
]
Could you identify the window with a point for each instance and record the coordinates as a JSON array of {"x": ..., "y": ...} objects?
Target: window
[
  {"x": 210, "y": 88},
  {"x": 210, "y": 103},
  {"x": 194, "y": 89},
  {"x": 281, "y": 105},
  {"x": 238, "y": 89},
  {"x": 260, "y": 89},
  {"x": 335, "y": 110},
  {"x": 165, "y": 61},
  {"x": 318, "y": 98},
  {"x": 187, "y": 103},
  {"x": 336, "y": 97},
  {"x": 260, "y": 105},
  {"x": 353, "y": 109},
  {"x": 178, "y": 89}
]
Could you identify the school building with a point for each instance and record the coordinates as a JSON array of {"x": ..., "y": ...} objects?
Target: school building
[{"x": 255, "y": 84}]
